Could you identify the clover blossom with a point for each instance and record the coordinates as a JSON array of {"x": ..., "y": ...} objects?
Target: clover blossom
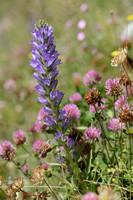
[
  {"x": 45, "y": 61},
  {"x": 72, "y": 111},
  {"x": 113, "y": 87},
  {"x": 92, "y": 133},
  {"x": 121, "y": 102},
  {"x": 90, "y": 196},
  {"x": 37, "y": 144},
  {"x": 25, "y": 169},
  {"x": 76, "y": 97},
  {"x": 92, "y": 77},
  {"x": 115, "y": 125},
  {"x": 7, "y": 150},
  {"x": 101, "y": 107},
  {"x": 19, "y": 137}
]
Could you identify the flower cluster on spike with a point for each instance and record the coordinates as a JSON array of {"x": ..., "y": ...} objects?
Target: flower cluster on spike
[{"x": 45, "y": 61}]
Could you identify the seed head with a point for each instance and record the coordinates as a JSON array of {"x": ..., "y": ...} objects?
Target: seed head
[
  {"x": 92, "y": 96},
  {"x": 126, "y": 115},
  {"x": 37, "y": 175},
  {"x": 124, "y": 79}
]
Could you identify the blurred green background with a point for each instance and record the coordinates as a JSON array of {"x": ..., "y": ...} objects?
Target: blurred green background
[{"x": 105, "y": 21}]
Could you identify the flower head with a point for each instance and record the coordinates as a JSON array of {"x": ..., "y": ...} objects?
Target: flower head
[
  {"x": 76, "y": 79},
  {"x": 68, "y": 24},
  {"x": 25, "y": 169},
  {"x": 81, "y": 36},
  {"x": 19, "y": 137},
  {"x": 92, "y": 133},
  {"x": 92, "y": 96},
  {"x": 76, "y": 97},
  {"x": 45, "y": 61},
  {"x": 125, "y": 79},
  {"x": 115, "y": 125},
  {"x": 37, "y": 175},
  {"x": 72, "y": 111},
  {"x": 121, "y": 102},
  {"x": 58, "y": 135},
  {"x": 42, "y": 115},
  {"x": 83, "y": 7},
  {"x": 102, "y": 106},
  {"x": 7, "y": 150},
  {"x": 81, "y": 24},
  {"x": 126, "y": 115},
  {"x": 10, "y": 84},
  {"x": 37, "y": 144},
  {"x": 113, "y": 87},
  {"x": 90, "y": 196},
  {"x": 44, "y": 166},
  {"x": 92, "y": 77}
]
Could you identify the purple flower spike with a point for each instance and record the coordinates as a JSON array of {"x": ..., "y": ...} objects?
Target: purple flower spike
[{"x": 45, "y": 61}]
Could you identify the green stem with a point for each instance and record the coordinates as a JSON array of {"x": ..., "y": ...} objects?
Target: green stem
[
  {"x": 51, "y": 189},
  {"x": 114, "y": 108},
  {"x": 26, "y": 150},
  {"x": 102, "y": 128},
  {"x": 27, "y": 175},
  {"x": 3, "y": 192}
]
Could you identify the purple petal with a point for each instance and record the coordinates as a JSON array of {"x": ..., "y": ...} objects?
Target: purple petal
[
  {"x": 34, "y": 44},
  {"x": 37, "y": 76},
  {"x": 50, "y": 40},
  {"x": 48, "y": 110},
  {"x": 39, "y": 90},
  {"x": 49, "y": 121},
  {"x": 62, "y": 115},
  {"x": 52, "y": 49},
  {"x": 53, "y": 84},
  {"x": 43, "y": 100},
  {"x": 54, "y": 73},
  {"x": 57, "y": 135},
  {"x": 46, "y": 81},
  {"x": 36, "y": 53},
  {"x": 59, "y": 98},
  {"x": 58, "y": 62}
]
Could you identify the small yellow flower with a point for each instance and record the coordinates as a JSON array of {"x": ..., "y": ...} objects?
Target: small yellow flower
[
  {"x": 113, "y": 179},
  {"x": 115, "y": 53},
  {"x": 129, "y": 18}
]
